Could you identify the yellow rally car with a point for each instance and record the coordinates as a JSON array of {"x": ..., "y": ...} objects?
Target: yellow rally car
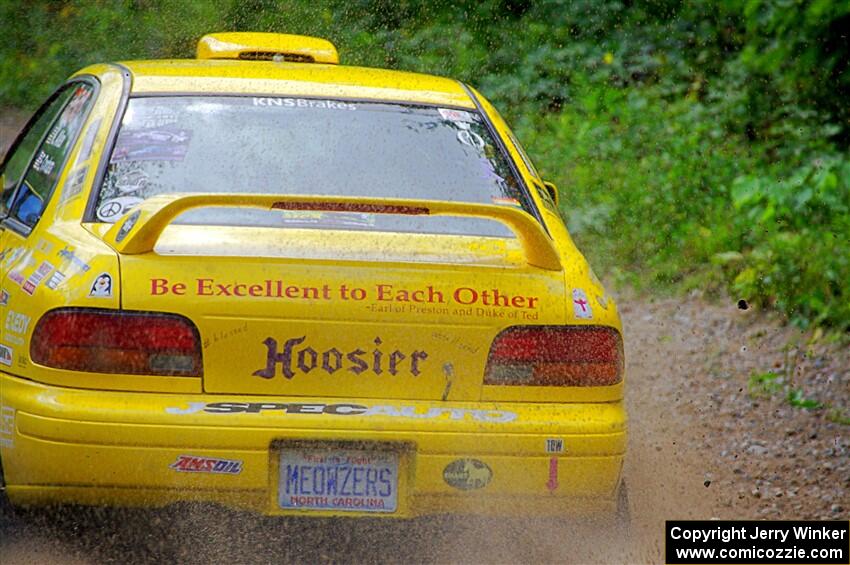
[{"x": 262, "y": 279}]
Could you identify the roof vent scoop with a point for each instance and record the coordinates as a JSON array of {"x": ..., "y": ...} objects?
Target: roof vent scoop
[{"x": 267, "y": 47}]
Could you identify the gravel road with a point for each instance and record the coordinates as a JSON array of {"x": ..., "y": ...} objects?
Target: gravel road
[{"x": 707, "y": 440}]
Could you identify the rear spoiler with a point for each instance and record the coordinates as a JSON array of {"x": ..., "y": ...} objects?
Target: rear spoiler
[{"x": 139, "y": 231}]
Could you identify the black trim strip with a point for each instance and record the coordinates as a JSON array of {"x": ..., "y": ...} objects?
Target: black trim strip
[
  {"x": 177, "y": 94},
  {"x": 494, "y": 133},
  {"x": 89, "y": 213}
]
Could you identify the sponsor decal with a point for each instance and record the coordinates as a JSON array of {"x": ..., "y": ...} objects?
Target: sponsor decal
[
  {"x": 74, "y": 184},
  {"x": 7, "y": 427},
  {"x": 4, "y": 297},
  {"x": 152, "y": 144},
  {"x": 10, "y": 255},
  {"x": 214, "y": 465},
  {"x": 345, "y": 409},
  {"x": 357, "y": 361},
  {"x": 5, "y": 355},
  {"x": 581, "y": 306},
  {"x": 131, "y": 182},
  {"x": 55, "y": 280},
  {"x": 467, "y": 474},
  {"x": 17, "y": 323},
  {"x": 128, "y": 224},
  {"x": 382, "y": 293},
  {"x": 14, "y": 340},
  {"x": 554, "y": 445},
  {"x": 44, "y": 246},
  {"x": 552, "y": 483},
  {"x": 57, "y": 137},
  {"x": 88, "y": 141},
  {"x": 70, "y": 256},
  {"x": 304, "y": 103},
  {"x": 43, "y": 163},
  {"x": 102, "y": 286},
  {"x": 35, "y": 279},
  {"x": 114, "y": 208},
  {"x": 456, "y": 115},
  {"x": 469, "y": 137}
]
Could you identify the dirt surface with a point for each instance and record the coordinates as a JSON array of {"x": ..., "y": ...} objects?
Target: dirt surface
[
  {"x": 704, "y": 443},
  {"x": 707, "y": 440},
  {"x": 11, "y": 120}
]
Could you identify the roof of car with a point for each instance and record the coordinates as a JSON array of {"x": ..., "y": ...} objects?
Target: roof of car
[{"x": 293, "y": 79}]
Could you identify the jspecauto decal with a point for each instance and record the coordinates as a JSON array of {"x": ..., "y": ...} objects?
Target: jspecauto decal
[{"x": 343, "y": 409}]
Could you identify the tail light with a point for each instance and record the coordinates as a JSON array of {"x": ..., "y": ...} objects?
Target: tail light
[
  {"x": 110, "y": 341},
  {"x": 556, "y": 356}
]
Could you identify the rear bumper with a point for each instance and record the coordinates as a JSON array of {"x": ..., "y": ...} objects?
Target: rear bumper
[{"x": 62, "y": 445}]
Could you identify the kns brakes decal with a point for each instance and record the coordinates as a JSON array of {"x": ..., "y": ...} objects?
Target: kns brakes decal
[
  {"x": 357, "y": 361},
  {"x": 494, "y": 416}
]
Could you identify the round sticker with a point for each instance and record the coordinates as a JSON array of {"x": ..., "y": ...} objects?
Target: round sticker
[
  {"x": 467, "y": 474},
  {"x": 113, "y": 209}
]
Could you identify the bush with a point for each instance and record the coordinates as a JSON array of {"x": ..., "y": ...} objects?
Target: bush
[{"x": 697, "y": 144}]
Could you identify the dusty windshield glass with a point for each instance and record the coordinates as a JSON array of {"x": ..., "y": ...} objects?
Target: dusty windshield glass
[{"x": 283, "y": 145}]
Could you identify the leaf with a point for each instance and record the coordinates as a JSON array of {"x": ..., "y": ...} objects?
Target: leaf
[{"x": 795, "y": 398}]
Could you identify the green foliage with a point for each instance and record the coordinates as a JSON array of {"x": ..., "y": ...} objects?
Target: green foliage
[
  {"x": 763, "y": 385},
  {"x": 766, "y": 385},
  {"x": 697, "y": 144}
]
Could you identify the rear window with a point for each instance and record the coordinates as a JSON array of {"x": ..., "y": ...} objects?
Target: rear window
[{"x": 273, "y": 145}]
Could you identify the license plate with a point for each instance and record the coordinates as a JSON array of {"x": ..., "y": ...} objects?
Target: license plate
[{"x": 338, "y": 479}]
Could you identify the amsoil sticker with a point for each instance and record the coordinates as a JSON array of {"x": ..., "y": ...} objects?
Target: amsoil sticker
[
  {"x": 581, "y": 305},
  {"x": 5, "y": 355},
  {"x": 467, "y": 474},
  {"x": 214, "y": 465},
  {"x": 102, "y": 286}
]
